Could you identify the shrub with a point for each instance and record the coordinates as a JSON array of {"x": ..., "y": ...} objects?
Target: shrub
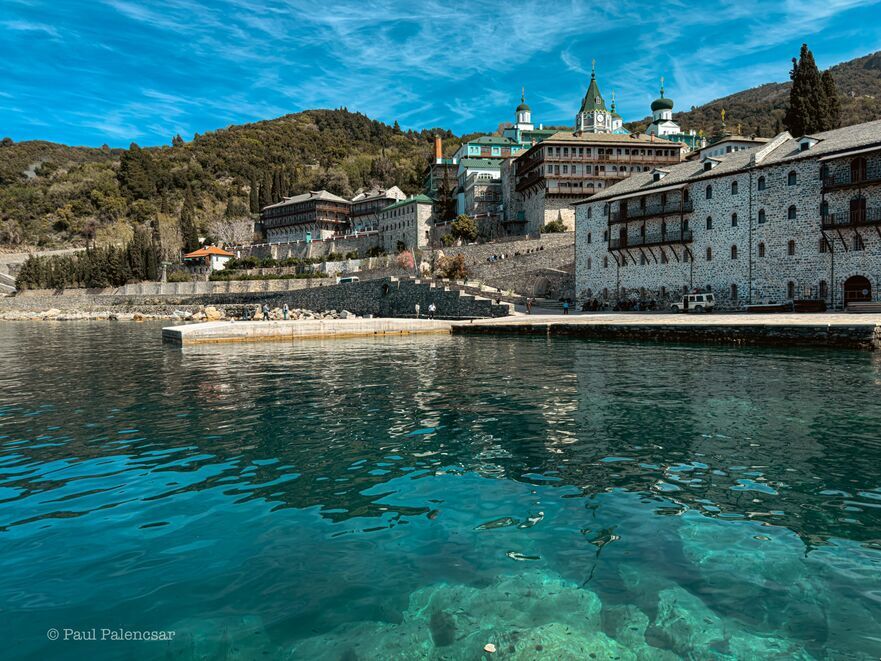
[
  {"x": 452, "y": 267},
  {"x": 375, "y": 251},
  {"x": 554, "y": 227},
  {"x": 448, "y": 240},
  {"x": 180, "y": 276}
]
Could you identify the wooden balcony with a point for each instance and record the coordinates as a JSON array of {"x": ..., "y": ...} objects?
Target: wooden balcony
[
  {"x": 860, "y": 218},
  {"x": 849, "y": 179},
  {"x": 651, "y": 240},
  {"x": 651, "y": 212}
]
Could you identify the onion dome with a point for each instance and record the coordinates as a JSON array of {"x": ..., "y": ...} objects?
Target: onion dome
[
  {"x": 523, "y": 107},
  {"x": 662, "y": 103}
]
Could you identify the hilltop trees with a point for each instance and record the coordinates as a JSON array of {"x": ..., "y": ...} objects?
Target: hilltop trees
[{"x": 813, "y": 100}]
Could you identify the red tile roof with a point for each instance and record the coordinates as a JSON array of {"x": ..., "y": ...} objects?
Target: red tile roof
[{"x": 208, "y": 250}]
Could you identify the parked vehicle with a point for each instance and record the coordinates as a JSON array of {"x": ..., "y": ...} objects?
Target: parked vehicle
[
  {"x": 347, "y": 278},
  {"x": 695, "y": 303}
]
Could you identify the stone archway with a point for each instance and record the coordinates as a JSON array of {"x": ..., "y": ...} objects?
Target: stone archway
[
  {"x": 540, "y": 287},
  {"x": 857, "y": 288}
]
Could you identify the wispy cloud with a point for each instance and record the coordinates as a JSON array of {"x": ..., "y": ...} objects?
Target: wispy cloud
[{"x": 121, "y": 70}]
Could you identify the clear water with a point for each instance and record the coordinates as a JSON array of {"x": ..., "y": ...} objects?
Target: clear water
[{"x": 420, "y": 498}]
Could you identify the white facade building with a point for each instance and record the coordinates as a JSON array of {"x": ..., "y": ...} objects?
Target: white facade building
[
  {"x": 793, "y": 219},
  {"x": 406, "y": 224}
]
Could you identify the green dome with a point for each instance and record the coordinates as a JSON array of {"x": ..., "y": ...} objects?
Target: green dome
[
  {"x": 662, "y": 104},
  {"x": 523, "y": 107}
]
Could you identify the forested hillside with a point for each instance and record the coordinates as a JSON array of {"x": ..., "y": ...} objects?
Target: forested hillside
[
  {"x": 53, "y": 195},
  {"x": 760, "y": 110}
]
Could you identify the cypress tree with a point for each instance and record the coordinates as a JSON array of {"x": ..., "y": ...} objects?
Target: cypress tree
[
  {"x": 833, "y": 103},
  {"x": 253, "y": 196},
  {"x": 188, "y": 223},
  {"x": 805, "y": 114},
  {"x": 266, "y": 190},
  {"x": 277, "y": 187}
]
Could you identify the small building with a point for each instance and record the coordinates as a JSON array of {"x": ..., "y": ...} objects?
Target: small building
[
  {"x": 367, "y": 205},
  {"x": 406, "y": 225},
  {"x": 207, "y": 259},
  {"x": 664, "y": 126}
]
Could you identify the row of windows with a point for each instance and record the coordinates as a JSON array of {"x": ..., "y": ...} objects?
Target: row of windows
[
  {"x": 822, "y": 290},
  {"x": 601, "y": 151}
]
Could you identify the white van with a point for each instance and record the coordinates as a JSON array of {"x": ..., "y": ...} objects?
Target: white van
[
  {"x": 695, "y": 303},
  {"x": 347, "y": 278}
]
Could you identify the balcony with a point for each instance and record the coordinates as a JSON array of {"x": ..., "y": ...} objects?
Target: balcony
[
  {"x": 651, "y": 240},
  {"x": 850, "y": 179},
  {"x": 651, "y": 212},
  {"x": 858, "y": 218}
]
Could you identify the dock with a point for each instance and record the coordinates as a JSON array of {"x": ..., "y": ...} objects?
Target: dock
[
  {"x": 288, "y": 331},
  {"x": 826, "y": 330}
]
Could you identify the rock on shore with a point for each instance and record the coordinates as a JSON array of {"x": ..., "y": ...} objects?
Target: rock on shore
[{"x": 159, "y": 312}]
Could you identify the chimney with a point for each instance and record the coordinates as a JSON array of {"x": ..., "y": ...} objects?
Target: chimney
[{"x": 438, "y": 149}]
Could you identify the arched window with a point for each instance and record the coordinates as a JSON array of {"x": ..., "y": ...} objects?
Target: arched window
[
  {"x": 709, "y": 222},
  {"x": 734, "y": 187},
  {"x": 824, "y": 246},
  {"x": 824, "y": 209},
  {"x": 734, "y": 220},
  {"x": 733, "y": 292},
  {"x": 589, "y": 212},
  {"x": 790, "y": 290},
  {"x": 709, "y": 192},
  {"x": 588, "y": 263},
  {"x": 761, "y": 250},
  {"x": 588, "y": 237},
  {"x": 733, "y": 252},
  {"x": 761, "y": 216},
  {"x": 791, "y": 178},
  {"x": 824, "y": 290},
  {"x": 605, "y": 262},
  {"x": 709, "y": 253},
  {"x": 605, "y": 235},
  {"x": 790, "y": 248},
  {"x": 606, "y": 208},
  {"x": 858, "y": 242},
  {"x": 791, "y": 213},
  {"x": 642, "y": 259},
  {"x": 761, "y": 183},
  {"x": 605, "y": 293}
]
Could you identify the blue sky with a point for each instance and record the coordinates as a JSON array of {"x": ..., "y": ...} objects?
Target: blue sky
[{"x": 89, "y": 72}]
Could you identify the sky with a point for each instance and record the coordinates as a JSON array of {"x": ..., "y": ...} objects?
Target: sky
[{"x": 93, "y": 72}]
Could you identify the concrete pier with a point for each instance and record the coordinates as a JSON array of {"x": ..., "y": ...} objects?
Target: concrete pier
[
  {"x": 287, "y": 331},
  {"x": 830, "y": 330}
]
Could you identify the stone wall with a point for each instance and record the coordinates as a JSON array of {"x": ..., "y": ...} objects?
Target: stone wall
[
  {"x": 479, "y": 253},
  {"x": 387, "y": 297},
  {"x": 540, "y": 209},
  {"x": 360, "y": 243},
  {"x": 762, "y": 267}
]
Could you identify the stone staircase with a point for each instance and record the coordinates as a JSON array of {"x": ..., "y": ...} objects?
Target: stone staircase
[{"x": 7, "y": 284}]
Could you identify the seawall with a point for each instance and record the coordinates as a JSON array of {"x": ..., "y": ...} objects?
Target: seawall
[{"x": 830, "y": 331}]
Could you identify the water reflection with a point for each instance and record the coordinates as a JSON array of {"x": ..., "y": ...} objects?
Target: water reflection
[{"x": 227, "y": 471}]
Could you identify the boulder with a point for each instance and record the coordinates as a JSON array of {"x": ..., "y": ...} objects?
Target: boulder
[{"x": 212, "y": 313}]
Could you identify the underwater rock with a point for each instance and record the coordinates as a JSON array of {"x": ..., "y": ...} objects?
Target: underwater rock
[
  {"x": 685, "y": 625},
  {"x": 443, "y": 628},
  {"x": 232, "y": 638},
  {"x": 504, "y": 522}
]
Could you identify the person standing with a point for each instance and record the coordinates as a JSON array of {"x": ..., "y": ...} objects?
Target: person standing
[
  {"x": 417, "y": 310},
  {"x": 284, "y": 311},
  {"x": 265, "y": 312},
  {"x": 566, "y": 306},
  {"x": 431, "y": 310},
  {"x": 528, "y": 305}
]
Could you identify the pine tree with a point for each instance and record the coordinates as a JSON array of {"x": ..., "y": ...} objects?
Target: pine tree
[
  {"x": 188, "y": 223},
  {"x": 253, "y": 196},
  {"x": 833, "y": 103},
  {"x": 805, "y": 114}
]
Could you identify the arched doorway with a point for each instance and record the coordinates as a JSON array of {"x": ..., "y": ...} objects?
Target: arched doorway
[{"x": 857, "y": 288}]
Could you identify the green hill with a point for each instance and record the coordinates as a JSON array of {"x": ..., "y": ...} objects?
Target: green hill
[
  {"x": 55, "y": 195},
  {"x": 760, "y": 110}
]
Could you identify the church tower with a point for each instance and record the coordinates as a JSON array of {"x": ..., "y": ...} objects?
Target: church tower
[
  {"x": 523, "y": 114},
  {"x": 593, "y": 116},
  {"x": 662, "y": 116}
]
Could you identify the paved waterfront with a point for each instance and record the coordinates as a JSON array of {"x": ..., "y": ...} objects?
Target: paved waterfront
[
  {"x": 830, "y": 330},
  {"x": 275, "y": 331}
]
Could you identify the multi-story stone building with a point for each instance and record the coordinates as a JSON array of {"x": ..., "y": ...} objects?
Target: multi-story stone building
[
  {"x": 307, "y": 217},
  {"x": 795, "y": 218},
  {"x": 406, "y": 224},
  {"x": 566, "y": 167},
  {"x": 367, "y": 205}
]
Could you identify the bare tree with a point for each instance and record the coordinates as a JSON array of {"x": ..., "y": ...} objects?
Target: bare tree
[{"x": 232, "y": 231}]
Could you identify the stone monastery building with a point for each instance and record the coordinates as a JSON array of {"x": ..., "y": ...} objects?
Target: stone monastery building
[{"x": 795, "y": 218}]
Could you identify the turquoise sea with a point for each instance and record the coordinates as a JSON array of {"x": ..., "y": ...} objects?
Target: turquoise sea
[{"x": 423, "y": 498}]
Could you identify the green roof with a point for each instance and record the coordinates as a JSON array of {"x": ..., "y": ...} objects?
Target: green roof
[
  {"x": 491, "y": 140},
  {"x": 417, "y": 199},
  {"x": 593, "y": 100},
  {"x": 480, "y": 162}
]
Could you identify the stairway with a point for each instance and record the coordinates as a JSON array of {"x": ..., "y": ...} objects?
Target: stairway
[{"x": 7, "y": 284}]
